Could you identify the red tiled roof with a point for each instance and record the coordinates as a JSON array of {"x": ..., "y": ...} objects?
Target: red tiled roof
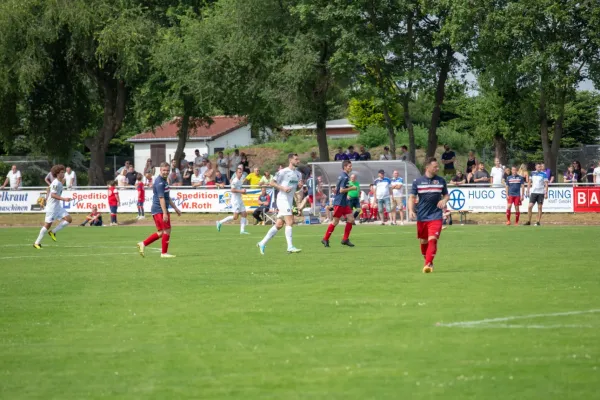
[{"x": 222, "y": 125}]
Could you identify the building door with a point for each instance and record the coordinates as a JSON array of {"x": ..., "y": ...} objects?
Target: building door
[{"x": 158, "y": 153}]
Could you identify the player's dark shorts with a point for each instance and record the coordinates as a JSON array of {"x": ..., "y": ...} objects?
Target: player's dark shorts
[
  {"x": 113, "y": 209},
  {"x": 427, "y": 229},
  {"x": 353, "y": 202},
  {"x": 140, "y": 204},
  {"x": 340, "y": 211},
  {"x": 536, "y": 198},
  {"x": 161, "y": 224},
  {"x": 516, "y": 200}
]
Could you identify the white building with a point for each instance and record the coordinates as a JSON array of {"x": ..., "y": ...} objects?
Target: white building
[
  {"x": 160, "y": 144},
  {"x": 336, "y": 129}
]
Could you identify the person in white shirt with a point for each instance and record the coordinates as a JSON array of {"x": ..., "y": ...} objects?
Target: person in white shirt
[
  {"x": 497, "y": 173},
  {"x": 237, "y": 203},
  {"x": 13, "y": 178},
  {"x": 386, "y": 154},
  {"x": 597, "y": 174},
  {"x": 197, "y": 158},
  {"x": 234, "y": 161},
  {"x": 70, "y": 178},
  {"x": 54, "y": 208},
  {"x": 383, "y": 192},
  {"x": 397, "y": 198},
  {"x": 223, "y": 164},
  {"x": 122, "y": 179},
  {"x": 197, "y": 179},
  {"x": 537, "y": 191},
  {"x": 49, "y": 178}
]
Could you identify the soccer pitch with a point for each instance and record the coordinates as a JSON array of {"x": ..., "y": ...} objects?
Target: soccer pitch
[{"x": 509, "y": 313}]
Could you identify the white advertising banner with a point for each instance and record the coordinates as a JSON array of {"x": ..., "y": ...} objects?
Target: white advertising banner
[
  {"x": 487, "y": 199},
  {"x": 83, "y": 200}
]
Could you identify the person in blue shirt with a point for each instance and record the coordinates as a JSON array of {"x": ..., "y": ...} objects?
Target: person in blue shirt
[
  {"x": 432, "y": 193},
  {"x": 383, "y": 194},
  {"x": 340, "y": 155},
  {"x": 160, "y": 213},
  {"x": 341, "y": 206},
  {"x": 515, "y": 191}
]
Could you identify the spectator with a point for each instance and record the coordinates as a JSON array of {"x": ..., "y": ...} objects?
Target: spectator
[
  {"x": 264, "y": 201},
  {"x": 315, "y": 191},
  {"x": 124, "y": 167},
  {"x": 471, "y": 161},
  {"x": 507, "y": 173},
  {"x": 94, "y": 218},
  {"x": 578, "y": 172},
  {"x": 386, "y": 154},
  {"x": 209, "y": 175},
  {"x": 329, "y": 205},
  {"x": 597, "y": 174},
  {"x": 590, "y": 173},
  {"x": 497, "y": 173},
  {"x": 175, "y": 167},
  {"x": 70, "y": 178},
  {"x": 340, "y": 155},
  {"x": 221, "y": 180},
  {"x": 197, "y": 158},
  {"x": 471, "y": 174},
  {"x": 364, "y": 155},
  {"x": 383, "y": 193},
  {"x": 196, "y": 179},
  {"x": 234, "y": 161},
  {"x": 397, "y": 198},
  {"x": 148, "y": 168},
  {"x": 481, "y": 176},
  {"x": 174, "y": 178},
  {"x": 141, "y": 196},
  {"x": 183, "y": 164},
  {"x": 569, "y": 175},
  {"x": 352, "y": 155},
  {"x": 265, "y": 180},
  {"x": 448, "y": 159},
  {"x": 403, "y": 156},
  {"x": 524, "y": 172},
  {"x": 458, "y": 179},
  {"x": 187, "y": 174},
  {"x": 203, "y": 166},
  {"x": 114, "y": 200},
  {"x": 148, "y": 179},
  {"x": 313, "y": 157},
  {"x": 369, "y": 207},
  {"x": 13, "y": 178},
  {"x": 245, "y": 163},
  {"x": 122, "y": 178},
  {"x": 131, "y": 176},
  {"x": 254, "y": 178},
  {"x": 549, "y": 173},
  {"x": 222, "y": 163},
  {"x": 49, "y": 178}
]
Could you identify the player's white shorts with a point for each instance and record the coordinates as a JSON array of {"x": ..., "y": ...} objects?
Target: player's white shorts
[
  {"x": 284, "y": 207},
  {"x": 238, "y": 207},
  {"x": 53, "y": 215}
]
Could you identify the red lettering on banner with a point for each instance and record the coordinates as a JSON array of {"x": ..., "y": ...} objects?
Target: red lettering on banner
[
  {"x": 587, "y": 199},
  {"x": 201, "y": 206}
]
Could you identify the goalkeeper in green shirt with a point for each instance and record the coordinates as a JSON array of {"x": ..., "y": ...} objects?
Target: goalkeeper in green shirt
[{"x": 354, "y": 196}]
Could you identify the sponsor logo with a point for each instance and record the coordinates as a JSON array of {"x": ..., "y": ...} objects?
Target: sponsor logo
[{"x": 457, "y": 199}]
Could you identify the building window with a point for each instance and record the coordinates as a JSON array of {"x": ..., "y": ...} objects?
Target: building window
[{"x": 158, "y": 153}]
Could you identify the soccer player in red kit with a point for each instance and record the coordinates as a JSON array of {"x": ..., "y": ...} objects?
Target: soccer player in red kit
[
  {"x": 432, "y": 193},
  {"x": 160, "y": 213},
  {"x": 141, "y": 192},
  {"x": 341, "y": 206},
  {"x": 113, "y": 202}
]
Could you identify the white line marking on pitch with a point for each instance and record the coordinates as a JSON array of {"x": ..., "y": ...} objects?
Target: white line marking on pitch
[{"x": 488, "y": 322}]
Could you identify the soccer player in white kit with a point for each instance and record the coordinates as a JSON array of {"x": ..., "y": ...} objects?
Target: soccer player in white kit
[
  {"x": 286, "y": 182},
  {"x": 237, "y": 203},
  {"x": 54, "y": 209}
]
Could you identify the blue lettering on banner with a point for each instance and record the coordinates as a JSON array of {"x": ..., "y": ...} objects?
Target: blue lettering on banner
[
  {"x": 559, "y": 194},
  {"x": 482, "y": 194},
  {"x": 6, "y": 196}
]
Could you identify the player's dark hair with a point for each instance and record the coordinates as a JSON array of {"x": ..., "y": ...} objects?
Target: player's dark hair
[
  {"x": 57, "y": 169},
  {"x": 292, "y": 155},
  {"x": 430, "y": 160},
  {"x": 139, "y": 176},
  {"x": 345, "y": 163}
]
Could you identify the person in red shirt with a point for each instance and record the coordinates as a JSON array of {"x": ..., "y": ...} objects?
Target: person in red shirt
[
  {"x": 113, "y": 202},
  {"x": 94, "y": 218},
  {"x": 141, "y": 192}
]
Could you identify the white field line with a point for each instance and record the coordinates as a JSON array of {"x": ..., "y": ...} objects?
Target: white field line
[{"x": 489, "y": 322}]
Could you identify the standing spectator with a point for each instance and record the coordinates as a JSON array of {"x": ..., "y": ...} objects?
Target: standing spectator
[
  {"x": 70, "y": 178},
  {"x": 364, "y": 155},
  {"x": 113, "y": 201},
  {"x": 471, "y": 174},
  {"x": 13, "y": 178},
  {"x": 209, "y": 175},
  {"x": 397, "y": 197},
  {"x": 590, "y": 173},
  {"x": 175, "y": 167},
  {"x": 174, "y": 178},
  {"x": 197, "y": 179},
  {"x": 386, "y": 154},
  {"x": 507, "y": 172},
  {"x": 524, "y": 172},
  {"x": 49, "y": 178},
  {"x": 254, "y": 178},
  {"x": 383, "y": 192},
  {"x": 148, "y": 168},
  {"x": 187, "y": 174},
  {"x": 234, "y": 161},
  {"x": 481, "y": 177},
  {"x": 597, "y": 174},
  {"x": 352, "y": 155},
  {"x": 264, "y": 201},
  {"x": 122, "y": 178},
  {"x": 197, "y": 158},
  {"x": 148, "y": 179},
  {"x": 549, "y": 173},
  {"x": 497, "y": 173},
  {"x": 141, "y": 196},
  {"x": 403, "y": 156},
  {"x": 578, "y": 172},
  {"x": 459, "y": 179},
  {"x": 94, "y": 218},
  {"x": 124, "y": 167},
  {"x": 313, "y": 157},
  {"x": 471, "y": 161},
  {"x": 537, "y": 191},
  {"x": 569, "y": 175},
  {"x": 222, "y": 163},
  {"x": 221, "y": 180},
  {"x": 354, "y": 195},
  {"x": 245, "y": 163},
  {"x": 203, "y": 167},
  {"x": 340, "y": 155},
  {"x": 131, "y": 176},
  {"x": 265, "y": 180},
  {"x": 448, "y": 159}
]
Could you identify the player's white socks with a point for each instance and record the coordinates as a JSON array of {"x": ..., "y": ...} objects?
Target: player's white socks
[
  {"x": 60, "y": 226},
  {"x": 43, "y": 232},
  {"x": 272, "y": 232},
  {"x": 226, "y": 219},
  {"x": 243, "y": 222},
  {"x": 288, "y": 236}
]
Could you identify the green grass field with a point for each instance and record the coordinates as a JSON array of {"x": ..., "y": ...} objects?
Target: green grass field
[{"x": 88, "y": 318}]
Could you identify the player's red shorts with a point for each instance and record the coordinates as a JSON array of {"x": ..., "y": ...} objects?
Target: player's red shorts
[
  {"x": 427, "y": 229},
  {"x": 516, "y": 200},
  {"x": 340, "y": 211},
  {"x": 161, "y": 224}
]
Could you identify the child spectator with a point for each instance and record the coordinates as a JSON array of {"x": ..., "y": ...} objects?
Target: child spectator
[
  {"x": 141, "y": 193},
  {"x": 569, "y": 176},
  {"x": 94, "y": 218},
  {"x": 113, "y": 202},
  {"x": 148, "y": 180}
]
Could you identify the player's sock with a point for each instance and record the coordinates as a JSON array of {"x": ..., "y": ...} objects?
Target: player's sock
[
  {"x": 143, "y": 213},
  {"x": 60, "y": 226},
  {"x": 165, "y": 243},
  {"x": 424, "y": 249},
  {"x": 347, "y": 230},
  {"x": 140, "y": 211},
  {"x": 112, "y": 218},
  {"x": 151, "y": 239},
  {"x": 288, "y": 236},
  {"x": 272, "y": 232},
  {"x": 243, "y": 223},
  {"x": 508, "y": 215},
  {"x": 431, "y": 250},
  {"x": 43, "y": 232},
  {"x": 329, "y": 231},
  {"x": 226, "y": 219},
  {"x": 517, "y": 215}
]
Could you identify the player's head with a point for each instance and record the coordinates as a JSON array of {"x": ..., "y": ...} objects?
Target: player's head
[
  {"x": 497, "y": 162},
  {"x": 139, "y": 177},
  {"x": 58, "y": 171},
  {"x": 353, "y": 177},
  {"x": 514, "y": 170},
  {"x": 293, "y": 159},
  {"x": 481, "y": 166},
  {"x": 431, "y": 166},
  {"x": 447, "y": 147},
  {"x": 340, "y": 150},
  {"x": 396, "y": 174},
  {"x": 68, "y": 170},
  {"x": 165, "y": 168},
  {"x": 263, "y": 190},
  {"x": 14, "y": 169},
  {"x": 404, "y": 148},
  {"x": 94, "y": 209},
  {"x": 347, "y": 166},
  {"x": 538, "y": 167},
  {"x": 239, "y": 171},
  {"x": 381, "y": 173},
  {"x": 386, "y": 149}
]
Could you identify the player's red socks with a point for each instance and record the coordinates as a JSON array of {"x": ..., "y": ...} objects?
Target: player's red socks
[
  {"x": 347, "y": 230},
  {"x": 424, "y": 249},
  {"x": 165, "y": 243},
  {"x": 508, "y": 215},
  {"x": 330, "y": 229},
  {"x": 151, "y": 239},
  {"x": 431, "y": 250},
  {"x": 517, "y": 215}
]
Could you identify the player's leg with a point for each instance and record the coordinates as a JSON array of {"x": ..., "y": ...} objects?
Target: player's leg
[
  {"x": 508, "y": 209},
  {"x": 335, "y": 220},
  {"x": 380, "y": 205},
  {"x": 47, "y": 224},
  {"x": 422, "y": 235},
  {"x": 540, "y": 207},
  {"x": 227, "y": 218},
  {"x": 243, "y": 222},
  {"x": 401, "y": 205},
  {"x": 434, "y": 229},
  {"x": 348, "y": 228},
  {"x": 65, "y": 219},
  {"x": 392, "y": 210},
  {"x": 257, "y": 215},
  {"x": 113, "y": 215},
  {"x": 158, "y": 222},
  {"x": 289, "y": 222},
  {"x": 270, "y": 234},
  {"x": 530, "y": 209}
]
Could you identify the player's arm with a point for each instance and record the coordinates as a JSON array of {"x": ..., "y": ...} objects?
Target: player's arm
[
  {"x": 528, "y": 187},
  {"x": 177, "y": 210},
  {"x": 522, "y": 192},
  {"x": 445, "y": 197},
  {"x": 57, "y": 197},
  {"x": 412, "y": 198},
  {"x": 545, "y": 188}
]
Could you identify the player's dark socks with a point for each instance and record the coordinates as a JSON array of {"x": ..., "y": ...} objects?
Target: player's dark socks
[
  {"x": 347, "y": 243},
  {"x": 356, "y": 213},
  {"x": 538, "y": 224},
  {"x": 325, "y": 242}
]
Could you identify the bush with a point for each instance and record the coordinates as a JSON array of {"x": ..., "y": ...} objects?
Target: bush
[
  {"x": 373, "y": 136},
  {"x": 459, "y": 142},
  {"x": 420, "y": 137}
]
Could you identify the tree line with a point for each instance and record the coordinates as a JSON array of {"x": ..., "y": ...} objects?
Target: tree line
[{"x": 80, "y": 73}]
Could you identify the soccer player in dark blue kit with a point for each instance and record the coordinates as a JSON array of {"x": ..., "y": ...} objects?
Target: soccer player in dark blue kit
[
  {"x": 341, "y": 206},
  {"x": 432, "y": 194},
  {"x": 160, "y": 213},
  {"x": 515, "y": 191}
]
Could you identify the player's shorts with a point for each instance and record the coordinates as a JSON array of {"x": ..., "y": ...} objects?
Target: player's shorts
[
  {"x": 113, "y": 209},
  {"x": 536, "y": 198},
  {"x": 238, "y": 207},
  {"x": 54, "y": 215},
  {"x": 161, "y": 224},
  {"x": 427, "y": 229},
  {"x": 284, "y": 207},
  {"x": 140, "y": 204},
  {"x": 381, "y": 203},
  {"x": 398, "y": 203},
  {"x": 516, "y": 200},
  {"x": 353, "y": 202},
  {"x": 340, "y": 211}
]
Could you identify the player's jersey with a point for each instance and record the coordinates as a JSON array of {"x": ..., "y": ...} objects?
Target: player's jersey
[
  {"x": 398, "y": 192},
  {"x": 537, "y": 182},
  {"x": 141, "y": 192},
  {"x": 53, "y": 205},
  {"x": 237, "y": 185},
  {"x": 112, "y": 196},
  {"x": 514, "y": 183},
  {"x": 341, "y": 199},
  {"x": 160, "y": 188},
  {"x": 290, "y": 178},
  {"x": 382, "y": 188},
  {"x": 429, "y": 192}
]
